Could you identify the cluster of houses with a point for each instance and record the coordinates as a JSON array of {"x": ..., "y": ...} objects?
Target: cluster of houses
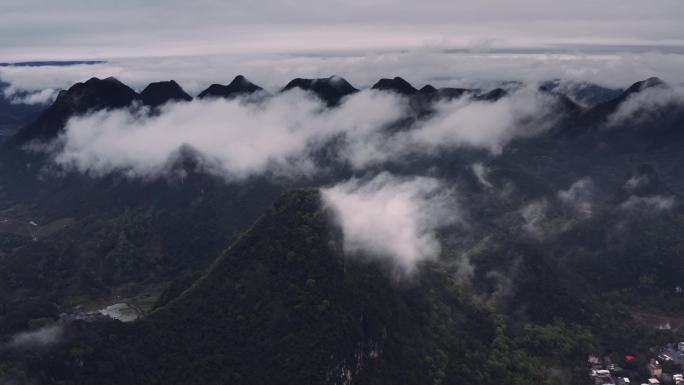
[{"x": 605, "y": 372}]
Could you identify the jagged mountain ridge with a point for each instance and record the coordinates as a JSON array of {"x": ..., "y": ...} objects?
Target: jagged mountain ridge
[
  {"x": 158, "y": 93},
  {"x": 237, "y": 87},
  {"x": 109, "y": 93},
  {"x": 583, "y": 93},
  {"x": 396, "y": 84},
  {"x": 331, "y": 90}
]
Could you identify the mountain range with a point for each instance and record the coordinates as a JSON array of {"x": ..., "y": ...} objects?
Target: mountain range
[
  {"x": 570, "y": 237},
  {"x": 109, "y": 93}
]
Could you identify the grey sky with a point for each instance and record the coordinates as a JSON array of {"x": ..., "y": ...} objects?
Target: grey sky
[
  {"x": 33, "y": 29},
  {"x": 443, "y": 42}
]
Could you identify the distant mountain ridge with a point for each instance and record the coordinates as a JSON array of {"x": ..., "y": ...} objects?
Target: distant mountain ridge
[
  {"x": 110, "y": 93},
  {"x": 584, "y": 93},
  {"x": 331, "y": 89},
  {"x": 158, "y": 93},
  {"x": 396, "y": 84},
  {"x": 239, "y": 86}
]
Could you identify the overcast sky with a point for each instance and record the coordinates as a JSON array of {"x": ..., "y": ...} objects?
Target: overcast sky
[
  {"x": 257, "y": 31},
  {"x": 35, "y": 29}
]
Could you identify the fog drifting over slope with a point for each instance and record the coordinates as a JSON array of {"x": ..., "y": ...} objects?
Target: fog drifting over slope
[{"x": 391, "y": 218}]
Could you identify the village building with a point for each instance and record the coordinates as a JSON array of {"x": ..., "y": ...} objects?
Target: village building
[
  {"x": 593, "y": 360},
  {"x": 678, "y": 379},
  {"x": 655, "y": 369}
]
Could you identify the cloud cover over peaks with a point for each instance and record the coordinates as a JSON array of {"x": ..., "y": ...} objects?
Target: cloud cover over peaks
[{"x": 282, "y": 134}]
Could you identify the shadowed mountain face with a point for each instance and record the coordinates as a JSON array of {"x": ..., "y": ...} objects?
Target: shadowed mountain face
[
  {"x": 492, "y": 95},
  {"x": 586, "y": 94},
  {"x": 94, "y": 94},
  {"x": 623, "y": 122},
  {"x": 301, "y": 313},
  {"x": 639, "y": 86},
  {"x": 158, "y": 93},
  {"x": 331, "y": 90},
  {"x": 239, "y": 86},
  {"x": 397, "y": 85},
  {"x": 601, "y": 111},
  {"x": 447, "y": 93}
]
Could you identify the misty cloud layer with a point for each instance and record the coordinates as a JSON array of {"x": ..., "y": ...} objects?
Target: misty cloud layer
[
  {"x": 447, "y": 43},
  {"x": 392, "y": 218},
  {"x": 280, "y": 134},
  {"x": 641, "y": 106},
  {"x": 420, "y": 66},
  {"x": 235, "y": 138},
  {"x": 652, "y": 203},
  {"x": 579, "y": 196},
  {"x": 485, "y": 125},
  {"x": 43, "y": 96},
  {"x": 39, "y": 338}
]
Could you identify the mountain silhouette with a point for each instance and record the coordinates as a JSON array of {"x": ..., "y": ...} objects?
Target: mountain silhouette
[
  {"x": 397, "y": 85},
  {"x": 94, "y": 94},
  {"x": 331, "y": 90},
  {"x": 158, "y": 93},
  {"x": 239, "y": 86}
]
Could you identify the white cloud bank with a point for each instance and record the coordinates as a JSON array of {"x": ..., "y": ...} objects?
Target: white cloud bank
[
  {"x": 236, "y": 138},
  {"x": 392, "y": 218},
  {"x": 280, "y": 134},
  {"x": 485, "y": 125}
]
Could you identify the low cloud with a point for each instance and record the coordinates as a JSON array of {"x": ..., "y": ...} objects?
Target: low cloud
[
  {"x": 656, "y": 202},
  {"x": 45, "y": 96},
  {"x": 579, "y": 196},
  {"x": 487, "y": 125},
  {"x": 393, "y": 219},
  {"x": 643, "y": 106},
  {"x": 481, "y": 172},
  {"x": 637, "y": 182},
  {"x": 281, "y": 134},
  {"x": 39, "y": 338},
  {"x": 534, "y": 215},
  {"x": 235, "y": 138}
]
